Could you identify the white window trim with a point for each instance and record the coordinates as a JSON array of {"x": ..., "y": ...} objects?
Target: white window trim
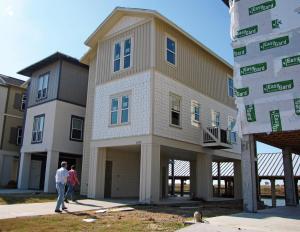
[
  {"x": 231, "y": 119},
  {"x": 119, "y": 110},
  {"x": 193, "y": 105},
  {"x": 170, "y": 110},
  {"x": 37, "y": 131},
  {"x": 122, "y": 42},
  {"x": 23, "y": 101},
  {"x": 81, "y": 129},
  {"x": 19, "y": 136},
  {"x": 214, "y": 119},
  {"x": 42, "y": 76},
  {"x": 166, "y": 49},
  {"x": 228, "y": 86}
]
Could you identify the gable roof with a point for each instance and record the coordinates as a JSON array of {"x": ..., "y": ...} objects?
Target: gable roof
[
  {"x": 118, "y": 12},
  {"x": 48, "y": 60},
  {"x": 6, "y": 80}
]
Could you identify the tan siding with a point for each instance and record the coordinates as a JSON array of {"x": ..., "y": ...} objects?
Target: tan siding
[
  {"x": 88, "y": 125},
  {"x": 10, "y": 122},
  {"x": 141, "y": 53},
  {"x": 194, "y": 66},
  {"x": 11, "y": 101}
]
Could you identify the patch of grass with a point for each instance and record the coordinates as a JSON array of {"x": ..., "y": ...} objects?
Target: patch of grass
[
  {"x": 144, "y": 218},
  {"x": 6, "y": 199},
  {"x": 18, "y": 198}
]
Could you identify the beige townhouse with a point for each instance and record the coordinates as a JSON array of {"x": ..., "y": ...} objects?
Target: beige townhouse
[
  {"x": 12, "y": 108},
  {"x": 155, "y": 94}
]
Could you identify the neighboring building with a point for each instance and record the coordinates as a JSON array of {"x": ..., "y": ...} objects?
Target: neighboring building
[
  {"x": 154, "y": 94},
  {"x": 12, "y": 107},
  {"x": 54, "y": 120}
]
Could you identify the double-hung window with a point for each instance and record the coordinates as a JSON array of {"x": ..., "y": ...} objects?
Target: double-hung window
[
  {"x": 127, "y": 53},
  {"x": 230, "y": 87},
  {"x": 122, "y": 54},
  {"x": 171, "y": 50},
  {"x": 23, "y": 102},
  {"x": 232, "y": 134},
  {"x": 175, "y": 110},
  {"x": 114, "y": 111},
  {"x": 117, "y": 57},
  {"x": 195, "y": 112},
  {"x": 76, "y": 133},
  {"x": 43, "y": 86},
  {"x": 215, "y": 118},
  {"x": 38, "y": 128},
  {"x": 119, "y": 109},
  {"x": 19, "y": 136}
]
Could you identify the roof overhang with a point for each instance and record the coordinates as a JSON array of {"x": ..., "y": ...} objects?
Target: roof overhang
[
  {"x": 287, "y": 139},
  {"x": 48, "y": 60},
  {"x": 226, "y": 2},
  {"x": 118, "y": 12}
]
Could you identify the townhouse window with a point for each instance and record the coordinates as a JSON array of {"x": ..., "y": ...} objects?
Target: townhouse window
[
  {"x": 119, "y": 109},
  {"x": 43, "y": 86},
  {"x": 232, "y": 134},
  {"x": 38, "y": 128},
  {"x": 122, "y": 54},
  {"x": 125, "y": 109},
  {"x": 76, "y": 133},
  {"x": 23, "y": 102},
  {"x": 127, "y": 53},
  {"x": 19, "y": 136},
  {"x": 230, "y": 87},
  {"x": 195, "y": 111},
  {"x": 215, "y": 118},
  {"x": 175, "y": 110},
  {"x": 171, "y": 50},
  {"x": 117, "y": 57}
]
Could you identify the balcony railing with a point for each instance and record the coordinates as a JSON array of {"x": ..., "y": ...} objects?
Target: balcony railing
[{"x": 216, "y": 138}]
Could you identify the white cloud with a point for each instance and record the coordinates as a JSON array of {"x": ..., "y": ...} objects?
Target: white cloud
[{"x": 9, "y": 11}]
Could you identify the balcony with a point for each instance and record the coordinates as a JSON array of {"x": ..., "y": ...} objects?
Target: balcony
[{"x": 216, "y": 138}]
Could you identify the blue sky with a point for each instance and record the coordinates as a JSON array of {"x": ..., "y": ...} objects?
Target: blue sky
[{"x": 34, "y": 29}]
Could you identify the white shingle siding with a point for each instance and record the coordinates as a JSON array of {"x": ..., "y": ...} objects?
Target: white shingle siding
[
  {"x": 188, "y": 133},
  {"x": 139, "y": 104}
]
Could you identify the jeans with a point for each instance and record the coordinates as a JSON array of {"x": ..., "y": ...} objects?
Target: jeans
[
  {"x": 70, "y": 192},
  {"x": 61, "y": 192}
]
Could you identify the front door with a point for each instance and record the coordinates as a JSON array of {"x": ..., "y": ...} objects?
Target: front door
[
  {"x": 35, "y": 174},
  {"x": 108, "y": 179}
]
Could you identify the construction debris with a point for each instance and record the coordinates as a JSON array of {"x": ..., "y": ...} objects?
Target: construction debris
[
  {"x": 122, "y": 209},
  {"x": 89, "y": 220},
  {"x": 101, "y": 211}
]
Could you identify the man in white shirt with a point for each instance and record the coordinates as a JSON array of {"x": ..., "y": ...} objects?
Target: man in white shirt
[{"x": 61, "y": 179}]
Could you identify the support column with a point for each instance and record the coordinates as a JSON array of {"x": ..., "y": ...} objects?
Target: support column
[
  {"x": 273, "y": 192},
  {"x": 249, "y": 175},
  {"x": 193, "y": 177},
  {"x": 150, "y": 173},
  {"x": 297, "y": 191},
  {"x": 51, "y": 167},
  {"x": 237, "y": 182},
  {"x": 96, "y": 181},
  {"x": 173, "y": 177},
  {"x": 181, "y": 187},
  {"x": 25, "y": 162},
  {"x": 204, "y": 177},
  {"x": 219, "y": 179},
  {"x": 289, "y": 186}
]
